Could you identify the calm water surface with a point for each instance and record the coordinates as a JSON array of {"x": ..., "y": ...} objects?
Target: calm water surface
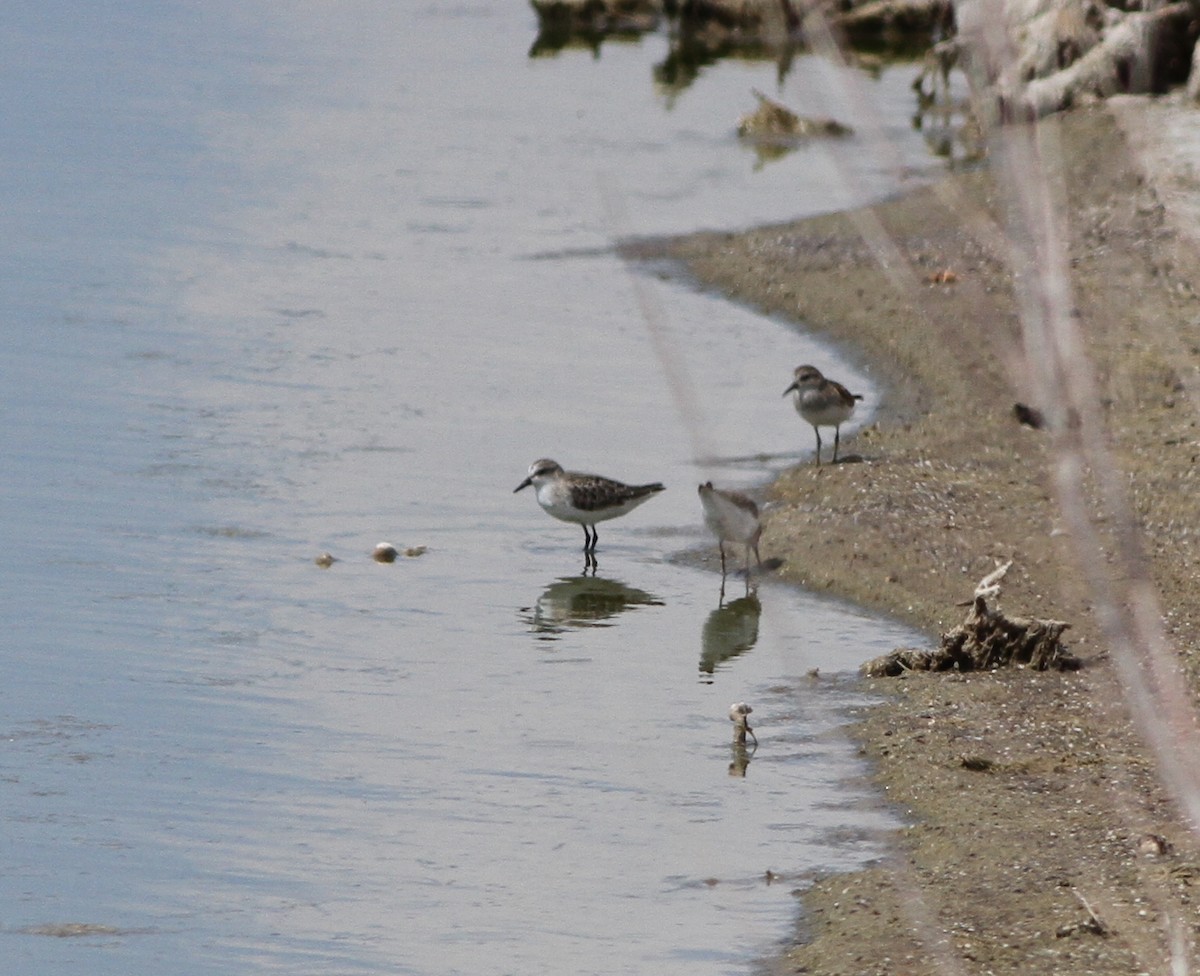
[{"x": 291, "y": 277}]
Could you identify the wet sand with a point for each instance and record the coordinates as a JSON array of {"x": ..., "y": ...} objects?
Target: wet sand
[{"x": 1030, "y": 797}]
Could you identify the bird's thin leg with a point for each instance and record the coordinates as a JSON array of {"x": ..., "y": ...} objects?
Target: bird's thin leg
[
  {"x": 817, "y": 431},
  {"x": 595, "y": 538},
  {"x": 587, "y": 539},
  {"x": 721, "y": 546},
  {"x": 837, "y": 434}
]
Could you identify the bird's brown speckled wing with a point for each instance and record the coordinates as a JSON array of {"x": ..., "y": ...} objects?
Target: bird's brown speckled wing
[
  {"x": 593, "y": 492},
  {"x": 744, "y": 502},
  {"x": 844, "y": 395}
]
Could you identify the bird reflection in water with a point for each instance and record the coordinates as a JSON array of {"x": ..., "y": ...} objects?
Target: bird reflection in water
[
  {"x": 730, "y": 630},
  {"x": 583, "y": 601}
]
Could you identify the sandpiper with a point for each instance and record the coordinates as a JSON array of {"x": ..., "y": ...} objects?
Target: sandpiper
[
  {"x": 583, "y": 498},
  {"x": 822, "y": 402},
  {"x": 733, "y": 517}
]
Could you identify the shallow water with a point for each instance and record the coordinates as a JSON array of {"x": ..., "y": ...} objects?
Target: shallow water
[{"x": 287, "y": 278}]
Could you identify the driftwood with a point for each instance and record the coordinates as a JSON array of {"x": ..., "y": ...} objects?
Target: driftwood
[
  {"x": 1069, "y": 52},
  {"x": 1056, "y": 54},
  {"x": 986, "y": 640},
  {"x": 1145, "y": 53}
]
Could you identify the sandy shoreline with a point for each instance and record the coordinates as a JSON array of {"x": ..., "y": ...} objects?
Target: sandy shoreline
[{"x": 1031, "y": 797}]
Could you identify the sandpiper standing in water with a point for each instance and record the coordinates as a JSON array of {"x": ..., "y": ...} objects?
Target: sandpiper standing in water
[
  {"x": 732, "y": 517},
  {"x": 822, "y": 402},
  {"x": 583, "y": 498}
]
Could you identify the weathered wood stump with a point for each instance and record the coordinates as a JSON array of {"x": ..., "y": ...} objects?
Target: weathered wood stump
[{"x": 986, "y": 640}]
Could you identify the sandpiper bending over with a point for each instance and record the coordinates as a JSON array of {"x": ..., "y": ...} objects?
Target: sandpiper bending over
[
  {"x": 733, "y": 517},
  {"x": 822, "y": 402},
  {"x": 583, "y": 498}
]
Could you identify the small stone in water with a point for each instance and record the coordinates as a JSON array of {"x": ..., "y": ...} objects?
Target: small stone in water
[{"x": 385, "y": 552}]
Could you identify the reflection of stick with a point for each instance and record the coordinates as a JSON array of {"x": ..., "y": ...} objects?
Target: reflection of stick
[{"x": 738, "y": 713}]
